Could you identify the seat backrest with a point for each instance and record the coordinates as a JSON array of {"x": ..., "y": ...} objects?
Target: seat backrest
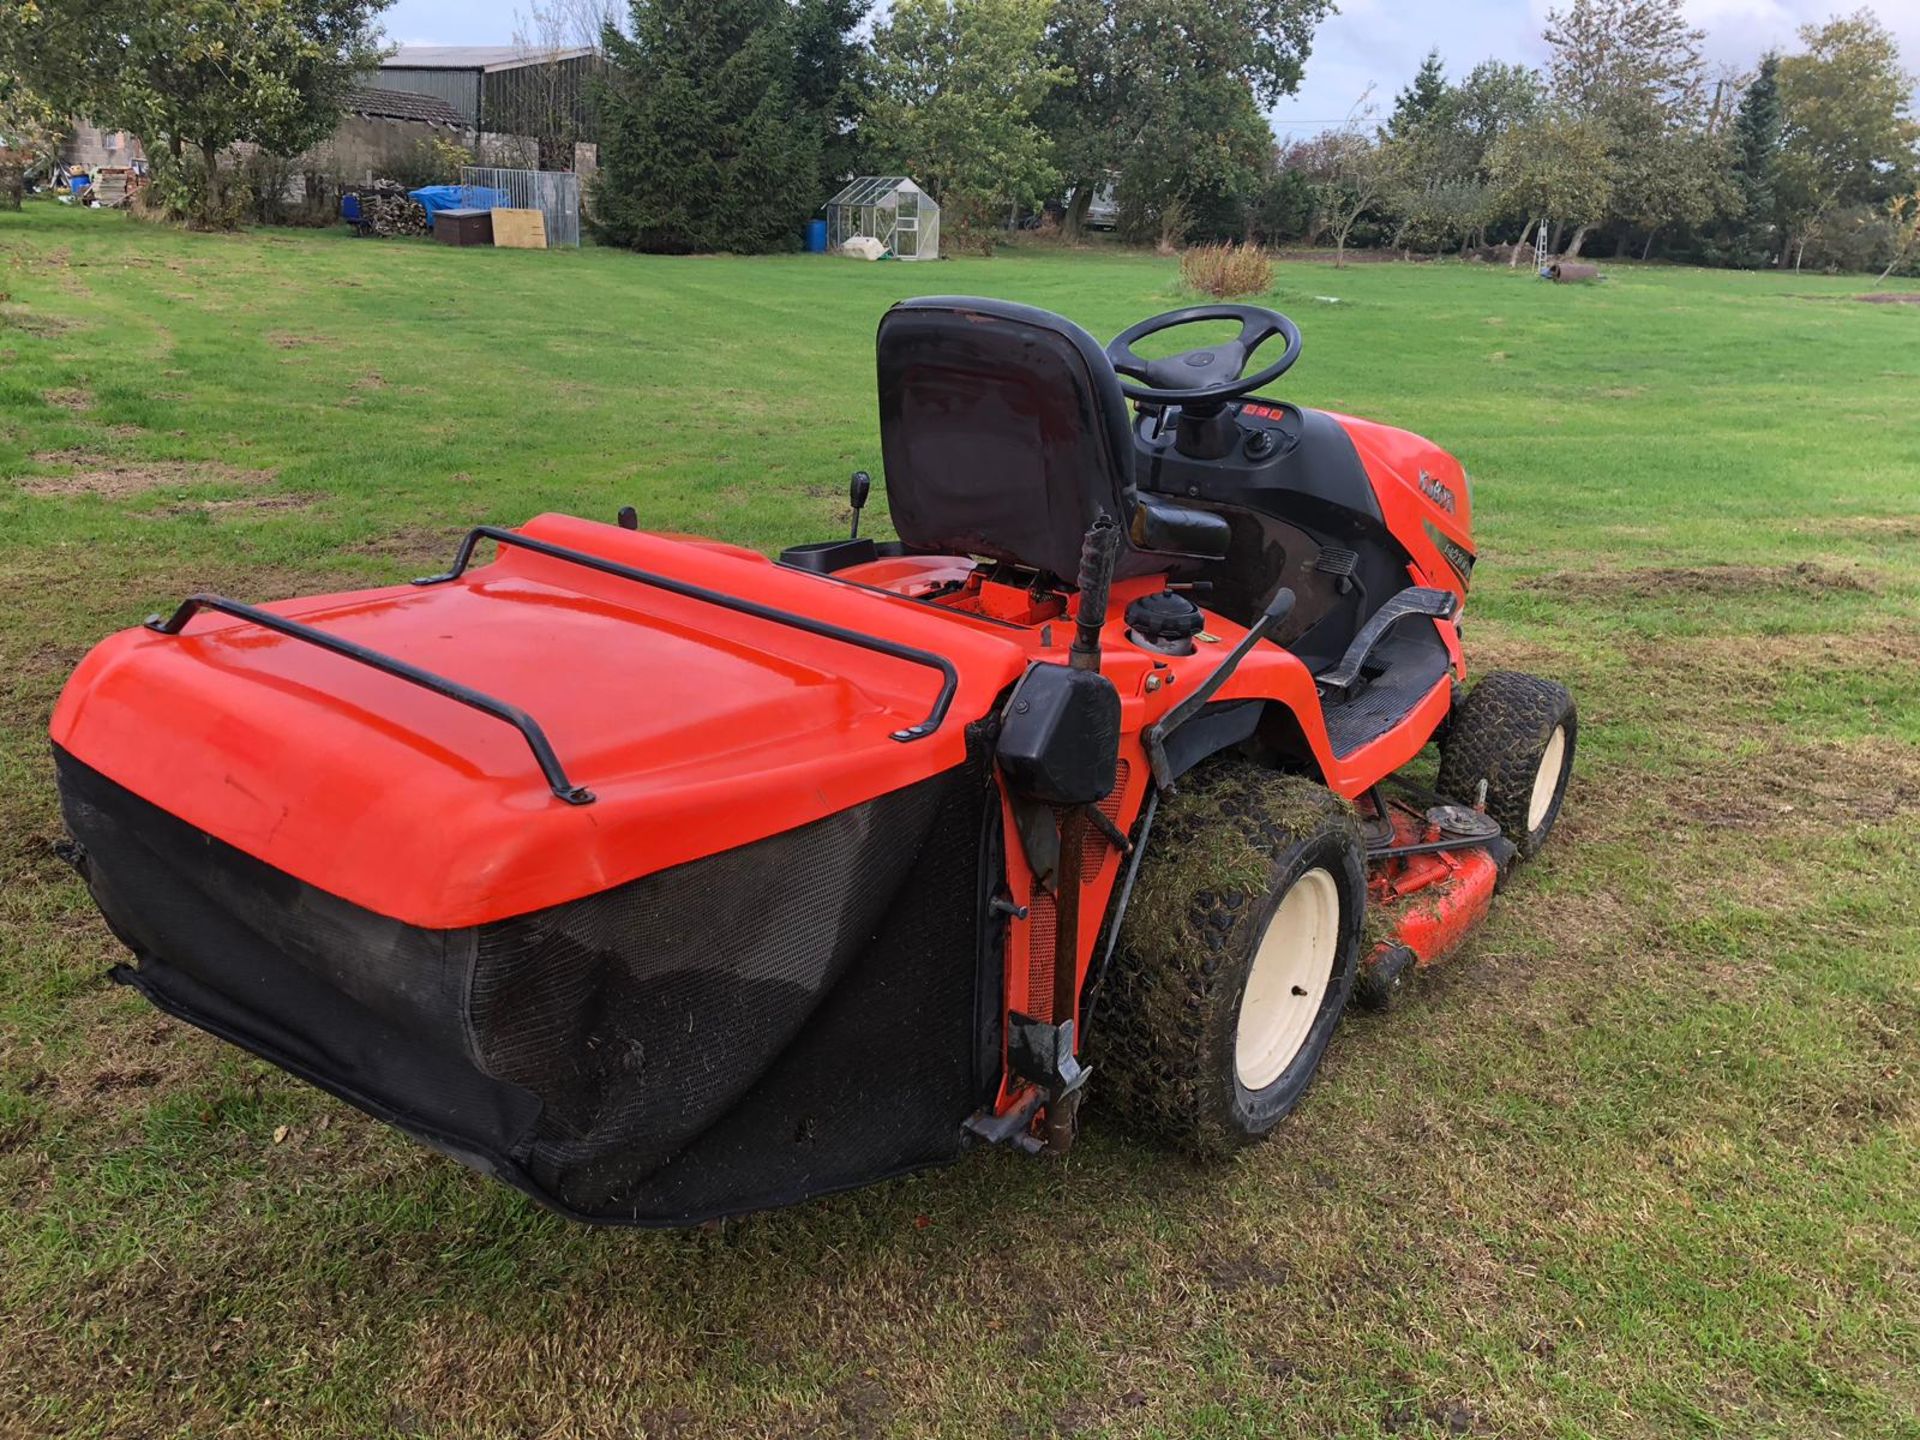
[{"x": 1003, "y": 433}]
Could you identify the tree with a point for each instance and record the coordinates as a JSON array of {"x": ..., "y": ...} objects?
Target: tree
[
  {"x": 1847, "y": 134},
  {"x": 1556, "y": 168},
  {"x": 1439, "y": 181},
  {"x": 196, "y": 74},
  {"x": 550, "y": 99},
  {"x": 957, "y": 84},
  {"x": 1350, "y": 170},
  {"x": 1282, "y": 207},
  {"x": 698, "y": 146},
  {"x": 29, "y": 126},
  {"x": 1903, "y": 215},
  {"x": 1425, "y": 96},
  {"x": 1169, "y": 97},
  {"x": 1199, "y": 156},
  {"x": 831, "y": 83},
  {"x": 1493, "y": 99},
  {"x": 1756, "y": 160},
  {"x": 1678, "y": 177},
  {"x": 1612, "y": 57},
  {"x": 1632, "y": 70}
]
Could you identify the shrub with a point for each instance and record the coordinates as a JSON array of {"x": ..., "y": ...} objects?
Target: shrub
[
  {"x": 1164, "y": 223},
  {"x": 1227, "y": 270},
  {"x": 185, "y": 191},
  {"x": 1282, "y": 209},
  {"x": 270, "y": 180},
  {"x": 1175, "y": 222}
]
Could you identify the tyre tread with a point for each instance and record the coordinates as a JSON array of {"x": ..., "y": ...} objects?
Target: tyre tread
[
  {"x": 1498, "y": 736},
  {"x": 1155, "y": 1039}
]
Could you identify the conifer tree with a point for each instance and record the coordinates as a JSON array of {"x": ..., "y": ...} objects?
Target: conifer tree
[
  {"x": 704, "y": 146},
  {"x": 1423, "y": 97},
  {"x": 1756, "y": 154}
]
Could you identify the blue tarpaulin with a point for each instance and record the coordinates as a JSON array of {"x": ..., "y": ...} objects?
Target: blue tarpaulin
[{"x": 436, "y": 198}]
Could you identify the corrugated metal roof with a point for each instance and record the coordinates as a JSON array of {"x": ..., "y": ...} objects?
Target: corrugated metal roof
[
  {"x": 476, "y": 57},
  {"x": 402, "y": 105}
]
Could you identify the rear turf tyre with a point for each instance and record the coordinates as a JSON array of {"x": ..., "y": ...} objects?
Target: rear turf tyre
[
  {"x": 1517, "y": 733},
  {"x": 1236, "y": 958}
]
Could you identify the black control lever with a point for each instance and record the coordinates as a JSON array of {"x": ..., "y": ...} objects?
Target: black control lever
[
  {"x": 1098, "y": 551},
  {"x": 1277, "y": 610},
  {"x": 859, "y": 486}
]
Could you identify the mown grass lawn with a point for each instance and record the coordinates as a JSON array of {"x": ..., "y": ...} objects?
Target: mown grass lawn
[{"x": 1644, "y": 1161}]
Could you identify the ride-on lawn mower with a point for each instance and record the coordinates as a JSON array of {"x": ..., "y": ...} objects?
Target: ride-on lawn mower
[{"x": 663, "y": 881}]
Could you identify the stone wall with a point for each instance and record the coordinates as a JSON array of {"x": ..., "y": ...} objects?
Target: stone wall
[
  {"x": 89, "y": 147},
  {"x": 363, "y": 148}
]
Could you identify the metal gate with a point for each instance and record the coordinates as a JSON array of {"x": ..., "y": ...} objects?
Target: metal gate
[{"x": 554, "y": 193}]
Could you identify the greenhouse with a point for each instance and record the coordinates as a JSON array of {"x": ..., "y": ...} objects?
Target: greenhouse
[{"x": 890, "y": 209}]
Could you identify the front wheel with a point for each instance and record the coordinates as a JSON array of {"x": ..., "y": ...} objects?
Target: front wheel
[
  {"x": 1515, "y": 734},
  {"x": 1236, "y": 958}
]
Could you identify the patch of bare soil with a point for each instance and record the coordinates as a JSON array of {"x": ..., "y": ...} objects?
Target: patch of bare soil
[
  {"x": 110, "y": 479},
  {"x": 288, "y": 340},
  {"x": 1890, "y": 297},
  {"x": 1714, "y": 699},
  {"x": 413, "y": 544},
  {"x": 1327, "y": 255},
  {"x": 1878, "y": 528},
  {"x": 1494, "y": 648},
  {"x": 1708, "y": 581},
  {"x": 129, "y": 1049},
  {"x": 239, "y": 505},
  {"x": 69, "y": 398},
  {"x": 40, "y": 324},
  {"x": 26, "y": 700},
  {"x": 1771, "y": 655},
  {"x": 1794, "y": 784}
]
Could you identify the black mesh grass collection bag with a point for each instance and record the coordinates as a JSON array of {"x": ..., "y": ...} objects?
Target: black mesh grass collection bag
[{"x": 791, "y": 1017}]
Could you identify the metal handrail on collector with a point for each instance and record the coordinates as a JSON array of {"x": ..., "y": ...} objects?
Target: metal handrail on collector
[
  {"x": 513, "y": 715},
  {"x": 950, "y": 677},
  {"x": 529, "y": 728}
]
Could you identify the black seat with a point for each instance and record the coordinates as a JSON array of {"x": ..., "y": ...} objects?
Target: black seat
[{"x": 1003, "y": 434}]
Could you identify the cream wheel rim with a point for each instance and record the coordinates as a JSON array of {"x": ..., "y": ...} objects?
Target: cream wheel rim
[
  {"x": 1292, "y": 968},
  {"x": 1546, "y": 779}
]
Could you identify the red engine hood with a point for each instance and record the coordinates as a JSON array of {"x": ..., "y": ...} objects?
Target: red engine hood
[
  {"x": 696, "y": 728},
  {"x": 1424, "y": 497}
]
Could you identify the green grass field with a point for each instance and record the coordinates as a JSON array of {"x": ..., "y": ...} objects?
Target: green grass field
[{"x": 1643, "y": 1161}]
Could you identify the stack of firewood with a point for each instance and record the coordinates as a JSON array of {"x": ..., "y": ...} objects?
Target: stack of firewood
[{"x": 388, "y": 210}]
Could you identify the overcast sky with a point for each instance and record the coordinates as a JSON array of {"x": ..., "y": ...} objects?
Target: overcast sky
[
  {"x": 1371, "y": 42},
  {"x": 1381, "y": 42}
]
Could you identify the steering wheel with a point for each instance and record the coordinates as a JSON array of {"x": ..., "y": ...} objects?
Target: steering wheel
[{"x": 1205, "y": 376}]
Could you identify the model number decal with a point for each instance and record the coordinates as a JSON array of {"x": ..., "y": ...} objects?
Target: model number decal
[{"x": 1456, "y": 554}]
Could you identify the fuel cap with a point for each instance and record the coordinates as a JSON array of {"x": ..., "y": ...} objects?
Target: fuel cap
[{"x": 1167, "y": 621}]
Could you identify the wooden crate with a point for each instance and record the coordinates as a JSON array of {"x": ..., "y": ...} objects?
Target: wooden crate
[
  {"x": 520, "y": 229},
  {"x": 463, "y": 227}
]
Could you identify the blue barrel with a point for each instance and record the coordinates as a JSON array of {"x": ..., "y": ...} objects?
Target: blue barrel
[
  {"x": 77, "y": 183},
  {"x": 816, "y": 237}
]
